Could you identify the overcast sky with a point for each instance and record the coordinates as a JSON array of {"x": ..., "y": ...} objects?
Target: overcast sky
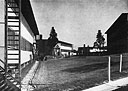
[{"x": 77, "y": 21}]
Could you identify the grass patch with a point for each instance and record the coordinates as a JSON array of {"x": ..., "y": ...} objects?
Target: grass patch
[{"x": 80, "y": 73}]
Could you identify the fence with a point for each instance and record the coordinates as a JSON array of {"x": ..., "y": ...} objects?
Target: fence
[{"x": 117, "y": 65}]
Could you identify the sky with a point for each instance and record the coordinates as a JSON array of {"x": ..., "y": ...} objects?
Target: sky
[{"x": 77, "y": 21}]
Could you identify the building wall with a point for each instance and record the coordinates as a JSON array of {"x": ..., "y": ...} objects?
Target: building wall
[
  {"x": 117, "y": 36},
  {"x": 27, "y": 41},
  {"x": 27, "y": 37},
  {"x": 117, "y": 46},
  {"x": 83, "y": 51},
  {"x": 63, "y": 50},
  {"x": 25, "y": 56}
]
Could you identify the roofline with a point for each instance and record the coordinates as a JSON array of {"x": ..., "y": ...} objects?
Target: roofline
[
  {"x": 60, "y": 42},
  {"x": 27, "y": 12},
  {"x": 65, "y": 43},
  {"x": 93, "y": 47},
  {"x": 115, "y": 22}
]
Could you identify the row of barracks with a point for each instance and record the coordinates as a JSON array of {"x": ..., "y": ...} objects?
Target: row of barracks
[{"x": 117, "y": 38}]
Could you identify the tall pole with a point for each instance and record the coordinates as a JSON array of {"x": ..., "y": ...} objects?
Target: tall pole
[
  {"x": 6, "y": 31},
  {"x": 120, "y": 62},
  {"x": 109, "y": 69},
  {"x": 20, "y": 42}
]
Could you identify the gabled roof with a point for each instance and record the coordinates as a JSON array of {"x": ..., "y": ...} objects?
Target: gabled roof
[
  {"x": 121, "y": 20},
  {"x": 27, "y": 12},
  {"x": 57, "y": 46},
  {"x": 62, "y": 43},
  {"x": 65, "y": 43}
]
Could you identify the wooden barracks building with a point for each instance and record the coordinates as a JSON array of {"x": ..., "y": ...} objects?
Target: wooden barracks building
[
  {"x": 61, "y": 49},
  {"x": 18, "y": 31},
  {"x": 117, "y": 35}
]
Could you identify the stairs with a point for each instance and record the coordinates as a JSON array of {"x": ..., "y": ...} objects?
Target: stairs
[
  {"x": 12, "y": 71},
  {"x": 10, "y": 85}
]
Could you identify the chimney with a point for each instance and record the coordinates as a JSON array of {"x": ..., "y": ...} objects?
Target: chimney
[
  {"x": 84, "y": 45},
  {"x": 38, "y": 37}
]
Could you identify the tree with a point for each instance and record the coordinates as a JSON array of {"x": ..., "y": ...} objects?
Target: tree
[
  {"x": 100, "y": 41},
  {"x": 52, "y": 40},
  {"x": 95, "y": 44}
]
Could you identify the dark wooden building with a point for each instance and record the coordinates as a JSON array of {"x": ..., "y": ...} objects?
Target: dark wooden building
[
  {"x": 117, "y": 35},
  {"x": 42, "y": 47},
  {"x": 60, "y": 49},
  {"x": 83, "y": 51}
]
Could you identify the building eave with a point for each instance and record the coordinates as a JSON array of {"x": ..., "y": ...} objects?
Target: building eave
[
  {"x": 121, "y": 19},
  {"x": 65, "y": 43},
  {"x": 27, "y": 12}
]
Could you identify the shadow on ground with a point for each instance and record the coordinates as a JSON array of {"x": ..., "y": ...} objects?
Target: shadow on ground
[{"x": 88, "y": 68}]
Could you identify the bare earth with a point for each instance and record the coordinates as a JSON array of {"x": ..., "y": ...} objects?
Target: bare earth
[{"x": 76, "y": 73}]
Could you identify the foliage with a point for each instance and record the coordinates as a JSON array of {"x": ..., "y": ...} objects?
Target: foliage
[
  {"x": 52, "y": 40},
  {"x": 100, "y": 41}
]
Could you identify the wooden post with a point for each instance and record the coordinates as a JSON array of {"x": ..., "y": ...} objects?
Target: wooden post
[
  {"x": 109, "y": 69},
  {"x": 120, "y": 63},
  {"x": 20, "y": 42},
  {"x": 5, "y": 41}
]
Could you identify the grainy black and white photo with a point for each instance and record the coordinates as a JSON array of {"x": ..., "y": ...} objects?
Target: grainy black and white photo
[{"x": 63, "y": 45}]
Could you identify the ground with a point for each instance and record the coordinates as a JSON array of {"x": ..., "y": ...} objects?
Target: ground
[
  {"x": 76, "y": 73},
  {"x": 25, "y": 70}
]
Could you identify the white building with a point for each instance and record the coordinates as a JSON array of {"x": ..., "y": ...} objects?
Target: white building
[
  {"x": 18, "y": 29},
  {"x": 63, "y": 49},
  {"x": 28, "y": 30}
]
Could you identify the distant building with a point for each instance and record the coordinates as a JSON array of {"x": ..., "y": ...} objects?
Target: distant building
[
  {"x": 91, "y": 51},
  {"x": 83, "y": 51},
  {"x": 63, "y": 49},
  {"x": 117, "y": 35},
  {"x": 41, "y": 46}
]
